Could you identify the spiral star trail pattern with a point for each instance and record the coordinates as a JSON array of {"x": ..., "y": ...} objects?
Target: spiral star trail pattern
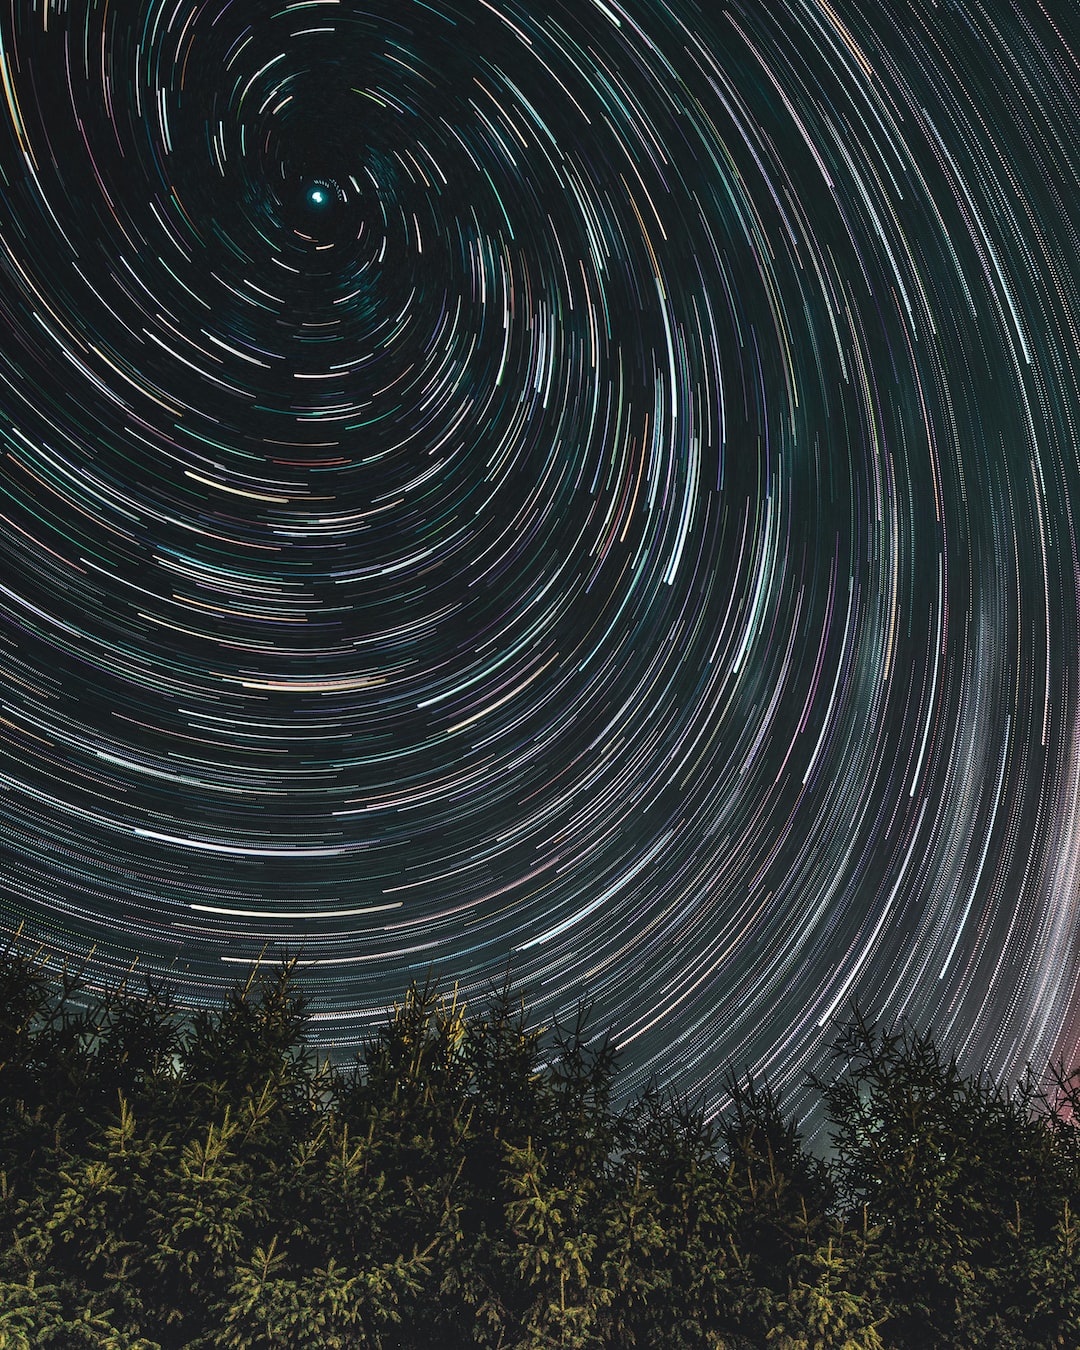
[{"x": 583, "y": 486}]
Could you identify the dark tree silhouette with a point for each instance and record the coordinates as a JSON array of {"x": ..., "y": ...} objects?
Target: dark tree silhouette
[{"x": 201, "y": 1181}]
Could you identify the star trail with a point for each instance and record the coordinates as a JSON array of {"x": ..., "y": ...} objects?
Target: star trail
[{"x": 578, "y": 486}]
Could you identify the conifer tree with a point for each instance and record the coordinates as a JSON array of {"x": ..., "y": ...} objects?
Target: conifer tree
[{"x": 181, "y": 1182}]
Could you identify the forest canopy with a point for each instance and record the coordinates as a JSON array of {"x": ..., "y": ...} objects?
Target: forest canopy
[{"x": 189, "y": 1180}]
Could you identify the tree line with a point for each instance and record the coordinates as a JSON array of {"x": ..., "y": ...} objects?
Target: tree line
[{"x": 194, "y": 1180}]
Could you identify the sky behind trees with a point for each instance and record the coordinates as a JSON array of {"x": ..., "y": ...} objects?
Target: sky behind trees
[{"x": 581, "y": 487}]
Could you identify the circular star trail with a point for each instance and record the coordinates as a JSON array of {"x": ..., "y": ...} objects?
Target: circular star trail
[{"x": 583, "y": 487}]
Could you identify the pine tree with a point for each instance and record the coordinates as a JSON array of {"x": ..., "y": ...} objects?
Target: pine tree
[{"x": 173, "y": 1182}]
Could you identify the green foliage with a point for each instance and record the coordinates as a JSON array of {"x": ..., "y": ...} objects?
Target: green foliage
[
  {"x": 822, "y": 1310},
  {"x": 171, "y": 1182},
  {"x": 971, "y": 1187}
]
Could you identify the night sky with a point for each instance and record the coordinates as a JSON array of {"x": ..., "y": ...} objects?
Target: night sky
[{"x": 577, "y": 486}]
